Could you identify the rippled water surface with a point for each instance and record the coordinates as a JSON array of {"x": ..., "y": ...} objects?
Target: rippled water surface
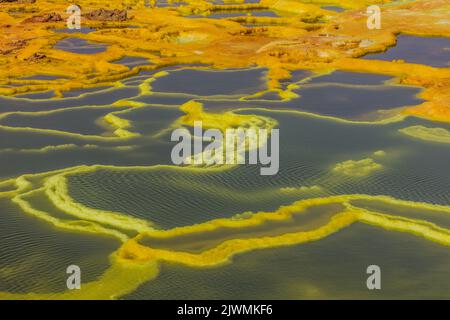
[{"x": 102, "y": 154}]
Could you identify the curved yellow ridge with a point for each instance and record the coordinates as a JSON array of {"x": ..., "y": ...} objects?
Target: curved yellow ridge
[
  {"x": 428, "y": 134},
  {"x": 132, "y": 256}
]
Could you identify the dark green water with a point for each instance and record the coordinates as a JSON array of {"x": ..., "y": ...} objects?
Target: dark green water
[
  {"x": 333, "y": 268},
  {"x": 433, "y": 51},
  {"x": 310, "y": 147}
]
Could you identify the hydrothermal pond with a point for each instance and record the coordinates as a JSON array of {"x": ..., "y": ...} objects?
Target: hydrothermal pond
[{"x": 88, "y": 177}]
